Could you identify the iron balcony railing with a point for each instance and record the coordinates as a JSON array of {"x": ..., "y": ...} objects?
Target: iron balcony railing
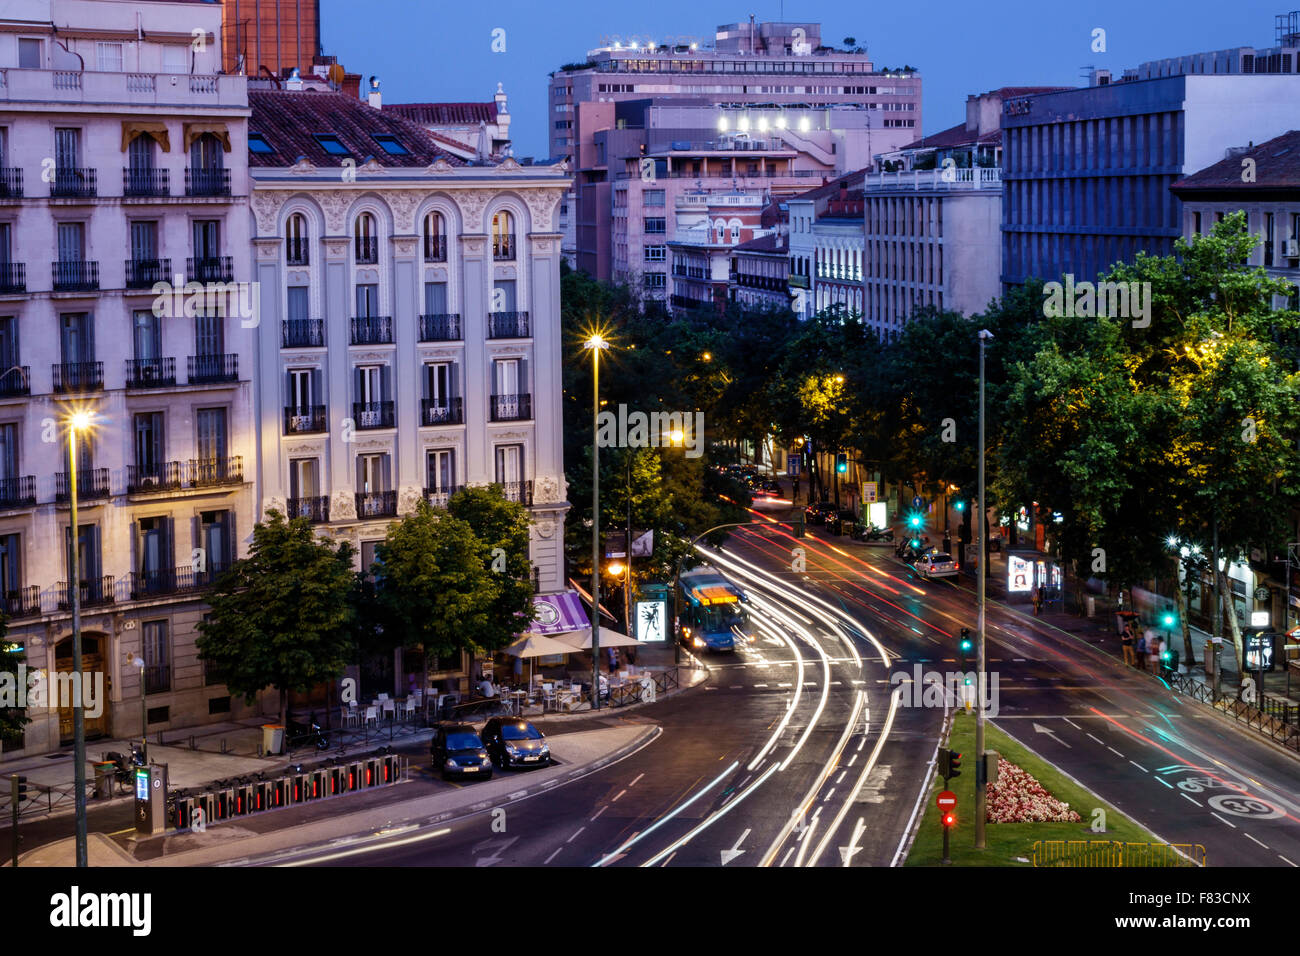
[
  {"x": 299, "y": 419},
  {"x": 376, "y": 504},
  {"x": 442, "y": 411},
  {"x": 159, "y": 476},
  {"x": 95, "y": 592},
  {"x": 372, "y": 330},
  {"x": 511, "y": 408},
  {"x": 211, "y": 268},
  {"x": 71, "y": 182},
  {"x": 91, "y": 483},
  {"x": 503, "y": 247},
  {"x": 205, "y": 472},
  {"x": 145, "y": 182},
  {"x": 78, "y": 376},
  {"x": 314, "y": 509},
  {"x": 520, "y": 491},
  {"x": 151, "y": 373},
  {"x": 75, "y": 275},
  {"x": 508, "y": 325},
  {"x": 13, "y": 278},
  {"x": 151, "y": 581},
  {"x": 366, "y": 249},
  {"x": 143, "y": 273},
  {"x": 302, "y": 333},
  {"x": 11, "y": 182},
  {"x": 18, "y": 492},
  {"x": 440, "y": 327},
  {"x": 157, "y": 679},
  {"x": 24, "y": 602},
  {"x": 438, "y": 497},
  {"x": 296, "y": 252},
  {"x": 207, "y": 182},
  {"x": 435, "y": 248},
  {"x": 16, "y": 381},
  {"x": 205, "y": 369},
  {"x": 373, "y": 414}
]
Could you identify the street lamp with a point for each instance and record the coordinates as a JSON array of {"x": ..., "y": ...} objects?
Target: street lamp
[
  {"x": 596, "y": 344},
  {"x": 79, "y": 423},
  {"x": 981, "y": 791},
  {"x": 138, "y": 661}
]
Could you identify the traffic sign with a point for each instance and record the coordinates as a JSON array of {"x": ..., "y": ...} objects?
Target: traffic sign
[
  {"x": 869, "y": 491},
  {"x": 917, "y": 502},
  {"x": 946, "y": 800}
]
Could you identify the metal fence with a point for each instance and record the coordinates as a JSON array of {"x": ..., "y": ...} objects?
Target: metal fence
[
  {"x": 1276, "y": 718},
  {"x": 1113, "y": 853}
]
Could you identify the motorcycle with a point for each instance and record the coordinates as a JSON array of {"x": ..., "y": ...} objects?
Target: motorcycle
[
  {"x": 879, "y": 534},
  {"x": 299, "y": 735},
  {"x": 124, "y": 767}
]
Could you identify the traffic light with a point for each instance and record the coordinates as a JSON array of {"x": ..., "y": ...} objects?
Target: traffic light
[
  {"x": 967, "y": 645},
  {"x": 915, "y": 520},
  {"x": 949, "y": 819},
  {"x": 841, "y": 463},
  {"x": 17, "y": 789},
  {"x": 798, "y": 526},
  {"x": 1169, "y": 618},
  {"x": 961, "y": 505},
  {"x": 949, "y": 764}
]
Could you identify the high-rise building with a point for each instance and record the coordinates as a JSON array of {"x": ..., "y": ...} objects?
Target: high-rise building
[
  {"x": 270, "y": 36},
  {"x": 124, "y": 293}
]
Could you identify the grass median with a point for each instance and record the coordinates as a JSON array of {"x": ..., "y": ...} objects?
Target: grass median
[{"x": 1009, "y": 844}]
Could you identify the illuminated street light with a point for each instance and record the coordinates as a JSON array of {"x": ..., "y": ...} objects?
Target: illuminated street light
[
  {"x": 79, "y": 423},
  {"x": 596, "y": 343}
]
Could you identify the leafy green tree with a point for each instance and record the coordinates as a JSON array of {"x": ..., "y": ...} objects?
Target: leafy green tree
[
  {"x": 502, "y": 528},
  {"x": 12, "y": 719},
  {"x": 281, "y": 617}
]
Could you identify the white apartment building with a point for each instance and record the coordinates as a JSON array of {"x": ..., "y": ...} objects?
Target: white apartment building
[
  {"x": 122, "y": 167},
  {"x": 410, "y": 340}
]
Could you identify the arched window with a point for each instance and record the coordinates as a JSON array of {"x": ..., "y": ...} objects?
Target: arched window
[
  {"x": 366, "y": 239},
  {"x": 295, "y": 240},
  {"x": 503, "y": 235},
  {"x": 435, "y": 238}
]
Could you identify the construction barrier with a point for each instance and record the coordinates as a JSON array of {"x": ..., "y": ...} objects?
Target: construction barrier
[{"x": 1113, "y": 853}]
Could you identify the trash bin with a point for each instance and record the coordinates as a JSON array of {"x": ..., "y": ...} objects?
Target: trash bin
[
  {"x": 1207, "y": 657},
  {"x": 104, "y": 770},
  {"x": 1090, "y": 605},
  {"x": 272, "y": 738}
]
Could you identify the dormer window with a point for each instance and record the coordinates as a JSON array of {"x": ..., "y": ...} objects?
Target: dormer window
[
  {"x": 331, "y": 144},
  {"x": 390, "y": 144}
]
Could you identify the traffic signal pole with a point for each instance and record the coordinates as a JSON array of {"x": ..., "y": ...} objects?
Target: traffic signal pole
[{"x": 981, "y": 794}]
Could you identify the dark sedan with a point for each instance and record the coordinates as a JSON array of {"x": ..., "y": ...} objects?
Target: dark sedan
[
  {"x": 820, "y": 513},
  {"x": 457, "y": 751},
  {"x": 512, "y": 742}
]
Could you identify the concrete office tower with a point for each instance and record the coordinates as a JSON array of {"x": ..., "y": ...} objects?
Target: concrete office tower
[
  {"x": 124, "y": 178},
  {"x": 277, "y": 35},
  {"x": 1087, "y": 172}
]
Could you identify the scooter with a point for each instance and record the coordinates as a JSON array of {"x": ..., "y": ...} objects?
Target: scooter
[
  {"x": 124, "y": 766},
  {"x": 300, "y": 735},
  {"x": 880, "y": 534}
]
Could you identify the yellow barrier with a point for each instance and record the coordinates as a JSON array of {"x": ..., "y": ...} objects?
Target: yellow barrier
[{"x": 1111, "y": 853}]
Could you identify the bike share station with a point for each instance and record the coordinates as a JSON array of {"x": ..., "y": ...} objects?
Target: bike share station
[{"x": 151, "y": 800}]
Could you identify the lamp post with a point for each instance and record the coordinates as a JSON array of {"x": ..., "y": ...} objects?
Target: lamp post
[
  {"x": 596, "y": 344},
  {"x": 138, "y": 661},
  {"x": 981, "y": 792},
  {"x": 78, "y": 423}
]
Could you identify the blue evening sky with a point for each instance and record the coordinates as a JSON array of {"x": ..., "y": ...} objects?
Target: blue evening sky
[{"x": 440, "y": 51}]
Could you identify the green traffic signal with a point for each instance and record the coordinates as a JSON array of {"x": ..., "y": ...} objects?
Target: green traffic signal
[
  {"x": 914, "y": 521},
  {"x": 1169, "y": 619},
  {"x": 961, "y": 506}
]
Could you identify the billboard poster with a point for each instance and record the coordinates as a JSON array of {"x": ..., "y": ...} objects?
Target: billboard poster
[
  {"x": 651, "y": 620},
  {"x": 1020, "y": 574}
]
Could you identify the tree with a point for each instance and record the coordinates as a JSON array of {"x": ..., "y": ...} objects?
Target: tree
[
  {"x": 12, "y": 719},
  {"x": 502, "y": 528},
  {"x": 281, "y": 617}
]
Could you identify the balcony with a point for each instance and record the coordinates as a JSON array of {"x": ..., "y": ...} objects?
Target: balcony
[
  {"x": 366, "y": 249},
  {"x": 435, "y": 248},
  {"x": 18, "y": 492},
  {"x": 442, "y": 411},
  {"x": 511, "y": 408},
  {"x": 151, "y": 373},
  {"x": 210, "y": 472},
  {"x": 144, "y": 183},
  {"x": 122, "y": 89},
  {"x": 207, "y": 182},
  {"x": 11, "y": 182},
  {"x": 296, "y": 252},
  {"x": 503, "y": 247},
  {"x": 13, "y": 278},
  {"x": 508, "y": 325},
  {"x": 78, "y": 377},
  {"x": 302, "y": 333},
  {"x": 25, "y": 602},
  {"x": 16, "y": 381},
  {"x": 304, "y": 419},
  {"x": 75, "y": 275},
  {"x": 314, "y": 510},
  {"x": 92, "y": 483},
  {"x": 373, "y": 414},
  {"x": 206, "y": 369},
  {"x": 440, "y": 327},
  {"x": 438, "y": 497},
  {"x": 95, "y": 592},
  {"x": 211, "y": 269},
  {"x": 376, "y": 504},
  {"x": 143, "y": 273},
  {"x": 73, "y": 183},
  {"x": 155, "y": 581},
  {"x": 372, "y": 330},
  {"x": 520, "y": 491},
  {"x": 160, "y": 476},
  {"x": 798, "y": 281},
  {"x": 979, "y": 177}
]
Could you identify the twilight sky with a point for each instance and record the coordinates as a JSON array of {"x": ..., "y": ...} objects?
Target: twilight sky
[{"x": 440, "y": 51}]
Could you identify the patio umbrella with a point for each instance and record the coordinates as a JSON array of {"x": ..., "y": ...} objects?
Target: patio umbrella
[
  {"x": 581, "y": 640},
  {"x": 537, "y": 645}
]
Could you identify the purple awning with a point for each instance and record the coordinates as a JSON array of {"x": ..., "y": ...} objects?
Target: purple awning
[{"x": 558, "y": 613}]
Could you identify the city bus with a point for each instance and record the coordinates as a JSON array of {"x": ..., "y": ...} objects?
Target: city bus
[{"x": 712, "y": 611}]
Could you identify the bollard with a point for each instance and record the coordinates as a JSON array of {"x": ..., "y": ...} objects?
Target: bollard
[
  {"x": 354, "y": 775},
  {"x": 243, "y": 799},
  {"x": 371, "y": 772},
  {"x": 261, "y": 799},
  {"x": 280, "y": 792}
]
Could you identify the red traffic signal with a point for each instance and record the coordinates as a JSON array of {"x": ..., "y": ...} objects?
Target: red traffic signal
[{"x": 949, "y": 819}]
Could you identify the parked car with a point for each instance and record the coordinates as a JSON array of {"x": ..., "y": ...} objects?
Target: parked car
[
  {"x": 457, "y": 751},
  {"x": 936, "y": 564},
  {"x": 765, "y": 488},
  {"x": 512, "y": 742},
  {"x": 819, "y": 513}
]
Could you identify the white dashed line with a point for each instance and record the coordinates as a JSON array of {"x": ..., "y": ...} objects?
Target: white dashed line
[
  {"x": 1253, "y": 840},
  {"x": 619, "y": 794},
  {"x": 1193, "y": 799},
  {"x": 636, "y": 779},
  {"x": 1116, "y": 752},
  {"x": 760, "y": 685},
  {"x": 553, "y": 855},
  {"x": 828, "y": 795},
  {"x": 1139, "y": 766},
  {"x": 600, "y": 811},
  {"x": 840, "y": 777},
  {"x": 575, "y": 835},
  {"x": 1098, "y": 739},
  {"x": 787, "y": 855},
  {"x": 1285, "y": 860},
  {"x": 853, "y": 760},
  {"x": 1221, "y": 819},
  {"x": 1165, "y": 782},
  {"x": 1071, "y": 723}
]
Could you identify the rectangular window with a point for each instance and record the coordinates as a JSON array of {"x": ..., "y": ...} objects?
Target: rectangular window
[
  {"x": 331, "y": 144},
  {"x": 367, "y": 300},
  {"x": 509, "y": 464},
  {"x": 8, "y": 451},
  {"x": 304, "y": 478},
  {"x": 656, "y": 253},
  {"x": 209, "y": 336},
  {"x": 655, "y": 225},
  {"x": 11, "y": 566},
  {"x": 505, "y": 377},
  {"x": 67, "y": 149},
  {"x": 211, "y": 424},
  {"x": 175, "y": 58},
  {"x": 438, "y": 387},
  {"x": 8, "y": 343},
  {"x": 503, "y": 296},
  {"x": 372, "y": 473},
  {"x": 653, "y": 197},
  {"x": 149, "y": 444},
  {"x": 1270, "y": 239},
  {"x": 31, "y": 53},
  {"x": 301, "y": 389},
  {"x": 144, "y": 240},
  {"x": 216, "y": 540},
  {"x": 435, "y": 298},
  {"x": 370, "y": 384},
  {"x": 156, "y": 645},
  {"x": 140, "y": 152},
  {"x": 298, "y": 303},
  {"x": 76, "y": 337},
  {"x": 441, "y": 475},
  {"x": 207, "y": 238},
  {"x": 109, "y": 57},
  {"x": 72, "y": 241}
]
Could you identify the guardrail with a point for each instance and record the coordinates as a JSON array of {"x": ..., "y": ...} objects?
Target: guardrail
[
  {"x": 1279, "y": 720},
  {"x": 1113, "y": 853}
]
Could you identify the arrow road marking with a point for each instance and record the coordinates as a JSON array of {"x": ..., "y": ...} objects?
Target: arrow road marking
[
  {"x": 735, "y": 851},
  {"x": 1039, "y": 728},
  {"x": 846, "y": 852},
  {"x": 497, "y": 845}
]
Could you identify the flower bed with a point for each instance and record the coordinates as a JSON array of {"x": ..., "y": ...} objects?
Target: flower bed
[{"x": 1018, "y": 798}]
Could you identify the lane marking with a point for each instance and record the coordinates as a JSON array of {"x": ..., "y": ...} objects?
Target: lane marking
[
  {"x": 619, "y": 794},
  {"x": 1139, "y": 766},
  {"x": 636, "y": 779},
  {"x": 575, "y": 835},
  {"x": 552, "y": 856},
  {"x": 1251, "y": 838},
  {"x": 1098, "y": 739},
  {"x": 600, "y": 811},
  {"x": 1116, "y": 752},
  {"x": 1193, "y": 799},
  {"x": 1222, "y": 820}
]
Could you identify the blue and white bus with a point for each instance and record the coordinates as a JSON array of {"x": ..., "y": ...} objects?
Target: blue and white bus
[{"x": 712, "y": 611}]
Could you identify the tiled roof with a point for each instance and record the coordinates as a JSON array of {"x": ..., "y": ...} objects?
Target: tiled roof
[
  {"x": 832, "y": 188},
  {"x": 1277, "y": 165},
  {"x": 956, "y": 136},
  {"x": 1006, "y": 92},
  {"x": 290, "y": 120},
  {"x": 769, "y": 243},
  {"x": 445, "y": 114}
]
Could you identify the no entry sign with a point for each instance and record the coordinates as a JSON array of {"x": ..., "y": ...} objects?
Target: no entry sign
[{"x": 946, "y": 800}]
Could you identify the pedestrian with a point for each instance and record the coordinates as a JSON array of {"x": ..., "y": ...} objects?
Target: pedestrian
[
  {"x": 1126, "y": 639},
  {"x": 1153, "y": 651},
  {"x": 947, "y": 543},
  {"x": 1038, "y": 600},
  {"x": 1141, "y": 651}
]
